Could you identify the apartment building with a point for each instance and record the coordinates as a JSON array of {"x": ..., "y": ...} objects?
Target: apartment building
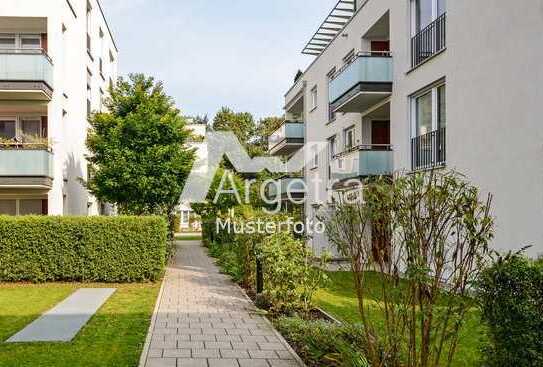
[
  {"x": 407, "y": 85},
  {"x": 57, "y": 61}
]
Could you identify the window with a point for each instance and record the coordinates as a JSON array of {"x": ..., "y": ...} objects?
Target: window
[
  {"x": 7, "y": 41},
  {"x": 8, "y": 207},
  {"x": 101, "y": 67},
  {"x": 23, "y": 206},
  {"x": 30, "y": 207},
  {"x": 428, "y": 143},
  {"x": 348, "y": 138},
  {"x": 332, "y": 146},
  {"x": 428, "y": 29},
  {"x": 314, "y": 98},
  {"x": 331, "y": 112},
  {"x": 32, "y": 42},
  {"x": 315, "y": 151},
  {"x": 89, "y": 28},
  {"x": 31, "y": 127},
  {"x": 101, "y": 101},
  {"x": 7, "y": 128},
  {"x": 185, "y": 214}
]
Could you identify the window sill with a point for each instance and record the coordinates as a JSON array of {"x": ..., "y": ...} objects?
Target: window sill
[
  {"x": 102, "y": 76},
  {"x": 438, "y": 166},
  {"x": 330, "y": 122},
  {"x": 90, "y": 55},
  {"x": 313, "y": 168},
  {"x": 313, "y": 109},
  {"x": 426, "y": 61}
]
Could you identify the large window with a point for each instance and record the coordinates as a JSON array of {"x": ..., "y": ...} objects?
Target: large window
[
  {"x": 23, "y": 206},
  {"x": 428, "y": 141},
  {"x": 22, "y": 127},
  {"x": 428, "y": 29},
  {"x": 20, "y": 41}
]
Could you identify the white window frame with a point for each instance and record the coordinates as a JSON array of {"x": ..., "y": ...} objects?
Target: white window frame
[
  {"x": 350, "y": 129},
  {"x": 435, "y": 106},
  {"x": 314, "y": 98},
  {"x": 315, "y": 153},
  {"x": 332, "y": 143},
  {"x": 435, "y": 15}
]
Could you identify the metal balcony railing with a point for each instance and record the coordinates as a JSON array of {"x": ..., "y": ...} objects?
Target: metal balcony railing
[
  {"x": 429, "y": 41},
  {"x": 429, "y": 150}
]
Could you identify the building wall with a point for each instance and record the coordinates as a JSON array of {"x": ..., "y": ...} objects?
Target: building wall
[
  {"x": 493, "y": 77},
  {"x": 67, "y": 111}
]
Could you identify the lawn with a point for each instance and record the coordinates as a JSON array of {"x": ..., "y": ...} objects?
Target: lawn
[
  {"x": 113, "y": 337},
  {"x": 339, "y": 299},
  {"x": 188, "y": 237}
]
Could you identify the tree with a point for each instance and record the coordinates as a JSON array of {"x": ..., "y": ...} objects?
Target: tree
[
  {"x": 137, "y": 150},
  {"x": 242, "y": 124}
]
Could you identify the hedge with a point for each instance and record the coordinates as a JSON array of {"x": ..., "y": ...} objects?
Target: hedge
[
  {"x": 87, "y": 249},
  {"x": 511, "y": 293}
]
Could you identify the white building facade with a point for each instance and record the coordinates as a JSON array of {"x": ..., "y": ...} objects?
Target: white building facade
[
  {"x": 408, "y": 85},
  {"x": 57, "y": 62}
]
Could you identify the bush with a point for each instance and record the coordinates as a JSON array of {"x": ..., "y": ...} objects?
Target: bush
[
  {"x": 227, "y": 259},
  {"x": 324, "y": 344},
  {"x": 89, "y": 249},
  {"x": 290, "y": 277},
  {"x": 511, "y": 292}
]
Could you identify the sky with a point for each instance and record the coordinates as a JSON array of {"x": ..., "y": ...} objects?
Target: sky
[{"x": 212, "y": 53}]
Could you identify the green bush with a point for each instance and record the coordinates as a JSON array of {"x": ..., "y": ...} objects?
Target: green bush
[
  {"x": 324, "y": 344},
  {"x": 89, "y": 249},
  {"x": 227, "y": 259},
  {"x": 511, "y": 292},
  {"x": 290, "y": 277}
]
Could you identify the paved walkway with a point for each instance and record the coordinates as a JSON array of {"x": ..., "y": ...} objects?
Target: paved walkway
[{"x": 204, "y": 319}]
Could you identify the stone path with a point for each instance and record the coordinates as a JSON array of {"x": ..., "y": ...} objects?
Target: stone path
[{"x": 204, "y": 319}]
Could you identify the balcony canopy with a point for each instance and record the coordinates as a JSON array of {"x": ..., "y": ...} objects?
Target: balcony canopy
[{"x": 334, "y": 23}]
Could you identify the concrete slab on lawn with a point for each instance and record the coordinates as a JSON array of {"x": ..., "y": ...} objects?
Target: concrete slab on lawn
[{"x": 63, "y": 322}]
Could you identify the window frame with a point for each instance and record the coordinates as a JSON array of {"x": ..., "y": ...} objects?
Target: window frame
[
  {"x": 314, "y": 98},
  {"x": 346, "y": 131},
  {"x": 18, "y": 204},
  {"x": 433, "y": 89},
  {"x": 18, "y": 119},
  {"x": 414, "y": 18}
]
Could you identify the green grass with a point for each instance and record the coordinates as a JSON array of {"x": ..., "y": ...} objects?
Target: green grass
[
  {"x": 113, "y": 337},
  {"x": 339, "y": 299}
]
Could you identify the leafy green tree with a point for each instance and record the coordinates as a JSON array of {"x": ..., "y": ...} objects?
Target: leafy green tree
[
  {"x": 137, "y": 150},
  {"x": 242, "y": 124}
]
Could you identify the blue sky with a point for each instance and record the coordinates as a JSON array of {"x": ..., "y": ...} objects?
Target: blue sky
[{"x": 212, "y": 53}]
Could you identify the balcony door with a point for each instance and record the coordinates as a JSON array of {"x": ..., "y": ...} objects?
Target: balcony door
[
  {"x": 380, "y": 135},
  {"x": 425, "y": 12}
]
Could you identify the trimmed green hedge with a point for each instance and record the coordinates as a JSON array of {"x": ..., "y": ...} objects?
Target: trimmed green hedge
[{"x": 88, "y": 249}]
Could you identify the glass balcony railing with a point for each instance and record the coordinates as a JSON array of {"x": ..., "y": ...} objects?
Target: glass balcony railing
[
  {"x": 294, "y": 186},
  {"x": 26, "y": 162},
  {"x": 367, "y": 80},
  {"x": 363, "y": 161},
  {"x": 289, "y": 137},
  {"x": 26, "y": 66}
]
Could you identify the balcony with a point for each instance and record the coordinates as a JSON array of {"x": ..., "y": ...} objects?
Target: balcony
[
  {"x": 429, "y": 150},
  {"x": 362, "y": 161},
  {"x": 25, "y": 75},
  {"x": 25, "y": 167},
  {"x": 363, "y": 83},
  {"x": 295, "y": 186},
  {"x": 429, "y": 42},
  {"x": 294, "y": 99},
  {"x": 287, "y": 139}
]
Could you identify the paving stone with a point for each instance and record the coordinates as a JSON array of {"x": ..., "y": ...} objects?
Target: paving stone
[
  {"x": 204, "y": 338},
  {"x": 284, "y": 354},
  {"x": 271, "y": 346},
  {"x": 191, "y": 362},
  {"x": 177, "y": 353},
  {"x": 155, "y": 353},
  {"x": 245, "y": 345},
  {"x": 229, "y": 353},
  {"x": 254, "y": 338},
  {"x": 228, "y": 338},
  {"x": 266, "y": 354},
  {"x": 190, "y": 344},
  {"x": 253, "y": 363},
  {"x": 205, "y": 353},
  {"x": 283, "y": 363},
  {"x": 223, "y": 362},
  {"x": 218, "y": 345},
  {"x": 161, "y": 362}
]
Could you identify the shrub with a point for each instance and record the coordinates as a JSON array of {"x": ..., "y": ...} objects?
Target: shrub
[
  {"x": 511, "y": 293},
  {"x": 324, "y": 344},
  {"x": 89, "y": 249},
  {"x": 290, "y": 277},
  {"x": 227, "y": 259}
]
